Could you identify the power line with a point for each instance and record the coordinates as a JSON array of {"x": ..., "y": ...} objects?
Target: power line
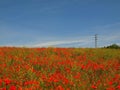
[{"x": 96, "y": 40}]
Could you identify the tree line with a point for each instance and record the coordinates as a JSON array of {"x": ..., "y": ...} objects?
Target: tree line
[{"x": 113, "y": 46}]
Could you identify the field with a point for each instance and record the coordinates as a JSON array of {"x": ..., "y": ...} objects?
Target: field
[{"x": 59, "y": 69}]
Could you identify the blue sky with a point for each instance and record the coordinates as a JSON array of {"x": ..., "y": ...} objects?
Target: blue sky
[{"x": 62, "y": 23}]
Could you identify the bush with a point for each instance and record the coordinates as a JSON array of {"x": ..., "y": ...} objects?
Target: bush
[{"x": 113, "y": 46}]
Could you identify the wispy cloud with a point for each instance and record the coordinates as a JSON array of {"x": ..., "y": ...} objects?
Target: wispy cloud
[
  {"x": 62, "y": 42},
  {"x": 77, "y": 41},
  {"x": 104, "y": 40}
]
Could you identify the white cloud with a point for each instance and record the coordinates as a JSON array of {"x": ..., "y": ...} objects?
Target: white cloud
[
  {"x": 46, "y": 41},
  {"x": 110, "y": 37},
  {"x": 61, "y": 42},
  {"x": 108, "y": 34}
]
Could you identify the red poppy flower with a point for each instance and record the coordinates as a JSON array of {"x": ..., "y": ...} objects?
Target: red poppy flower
[
  {"x": 7, "y": 81},
  {"x": 12, "y": 88}
]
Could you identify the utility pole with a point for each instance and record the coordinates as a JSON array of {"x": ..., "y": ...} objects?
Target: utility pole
[{"x": 96, "y": 40}]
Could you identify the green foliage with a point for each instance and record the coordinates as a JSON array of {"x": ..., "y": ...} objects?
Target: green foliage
[{"x": 113, "y": 46}]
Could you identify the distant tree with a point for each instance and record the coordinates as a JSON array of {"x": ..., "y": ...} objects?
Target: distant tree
[{"x": 113, "y": 46}]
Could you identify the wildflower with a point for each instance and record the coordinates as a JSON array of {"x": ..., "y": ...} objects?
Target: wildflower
[
  {"x": 12, "y": 88},
  {"x": 68, "y": 70},
  {"x": 77, "y": 76},
  {"x": 94, "y": 87},
  {"x": 65, "y": 81},
  {"x": 83, "y": 67},
  {"x": 59, "y": 88},
  {"x": 20, "y": 88},
  {"x": 0, "y": 82},
  {"x": 110, "y": 83},
  {"x": 53, "y": 79},
  {"x": 118, "y": 87},
  {"x": 7, "y": 81},
  {"x": 30, "y": 82}
]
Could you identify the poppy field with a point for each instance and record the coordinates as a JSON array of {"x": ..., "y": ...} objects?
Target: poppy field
[{"x": 59, "y": 69}]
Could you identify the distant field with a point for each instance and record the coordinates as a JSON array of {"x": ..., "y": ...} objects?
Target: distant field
[{"x": 59, "y": 69}]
